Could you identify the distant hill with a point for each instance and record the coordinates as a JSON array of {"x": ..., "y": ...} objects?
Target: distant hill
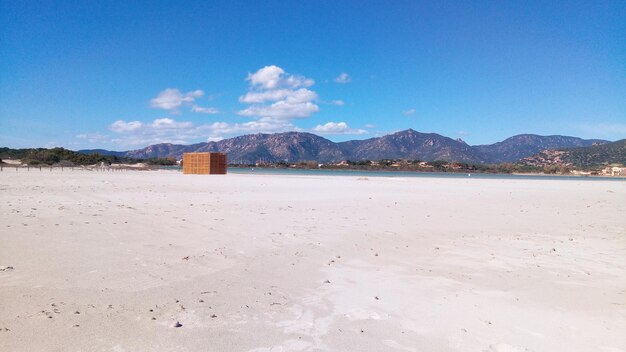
[
  {"x": 585, "y": 157},
  {"x": 102, "y": 152},
  {"x": 164, "y": 150},
  {"x": 287, "y": 147},
  {"x": 517, "y": 147},
  {"x": 408, "y": 144}
]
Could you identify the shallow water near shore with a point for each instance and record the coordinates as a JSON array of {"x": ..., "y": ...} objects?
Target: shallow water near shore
[{"x": 364, "y": 173}]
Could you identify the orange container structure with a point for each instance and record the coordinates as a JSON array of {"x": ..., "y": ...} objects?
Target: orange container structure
[{"x": 204, "y": 163}]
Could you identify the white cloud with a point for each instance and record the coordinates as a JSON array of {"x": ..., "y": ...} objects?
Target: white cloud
[
  {"x": 121, "y": 126},
  {"x": 408, "y": 112},
  {"x": 267, "y": 77},
  {"x": 163, "y": 130},
  {"x": 272, "y": 77},
  {"x": 369, "y": 125},
  {"x": 343, "y": 78},
  {"x": 172, "y": 99},
  {"x": 167, "y": 123},
  {"x": 301, "y": 95},
  {"x": 331, "y": 128},
  {"x": 463, "y": 133},
  {"x": 281, "y": 110},
  {"x": 264, "y": 125},
  {"x": 337, "y": 102},
  {"x": 196, "y": 108},
  {"x": 167, "y": 130},
  {"x": 275, "y": 94}
]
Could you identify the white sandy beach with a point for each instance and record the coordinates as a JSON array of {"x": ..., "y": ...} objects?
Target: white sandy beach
[{"x": 110, "y": 261}]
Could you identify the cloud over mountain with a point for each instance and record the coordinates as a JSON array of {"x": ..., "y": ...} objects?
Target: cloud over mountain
[
  {"x": 273, "y": 101},
  {"x": 333, "y": 128}
]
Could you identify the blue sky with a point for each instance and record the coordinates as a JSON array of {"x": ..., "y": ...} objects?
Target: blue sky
[{"x": 122, "y": 75}]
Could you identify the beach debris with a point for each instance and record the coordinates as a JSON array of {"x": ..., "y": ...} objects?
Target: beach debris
[
  {"x": 376, "y": 298},
  {"x": 178, "y": 324},
  {"x": 6, "y": 268},
  {"x": 186, "y": 258},
  {"x": 213, "y": 316},
  {"x": 327, "y": 281},
  {"x": 76, "y": 312}
]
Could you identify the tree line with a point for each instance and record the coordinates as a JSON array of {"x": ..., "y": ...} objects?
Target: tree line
[{"x": 62, "y": 156}]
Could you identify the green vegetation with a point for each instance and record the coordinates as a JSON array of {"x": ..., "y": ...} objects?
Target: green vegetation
[
  {"x": 64, "y": 157},
  {"x": 58, "y": 156},
  {"x": 161, "y": 161},
  {"x": 590, "y": 158},
  {"x": 598, "y": 155}
]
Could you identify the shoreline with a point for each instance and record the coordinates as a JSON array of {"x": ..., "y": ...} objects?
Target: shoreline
[
  {"x": 319, "y": 171},
  {"x": 424, "y": 173}
]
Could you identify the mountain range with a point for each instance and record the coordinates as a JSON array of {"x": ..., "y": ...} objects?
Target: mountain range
[{"x": 407, "y": 144}]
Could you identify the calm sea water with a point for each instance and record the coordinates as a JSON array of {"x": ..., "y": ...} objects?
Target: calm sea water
[{"x": 360, "y": 173}]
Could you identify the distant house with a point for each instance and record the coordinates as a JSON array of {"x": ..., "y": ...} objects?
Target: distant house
[
  {"x": 614, "y": 171},
  {"x": 204, "y": 163}
]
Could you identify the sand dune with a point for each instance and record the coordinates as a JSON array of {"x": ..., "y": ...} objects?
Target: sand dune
[{"x": 113, "y": 261}]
